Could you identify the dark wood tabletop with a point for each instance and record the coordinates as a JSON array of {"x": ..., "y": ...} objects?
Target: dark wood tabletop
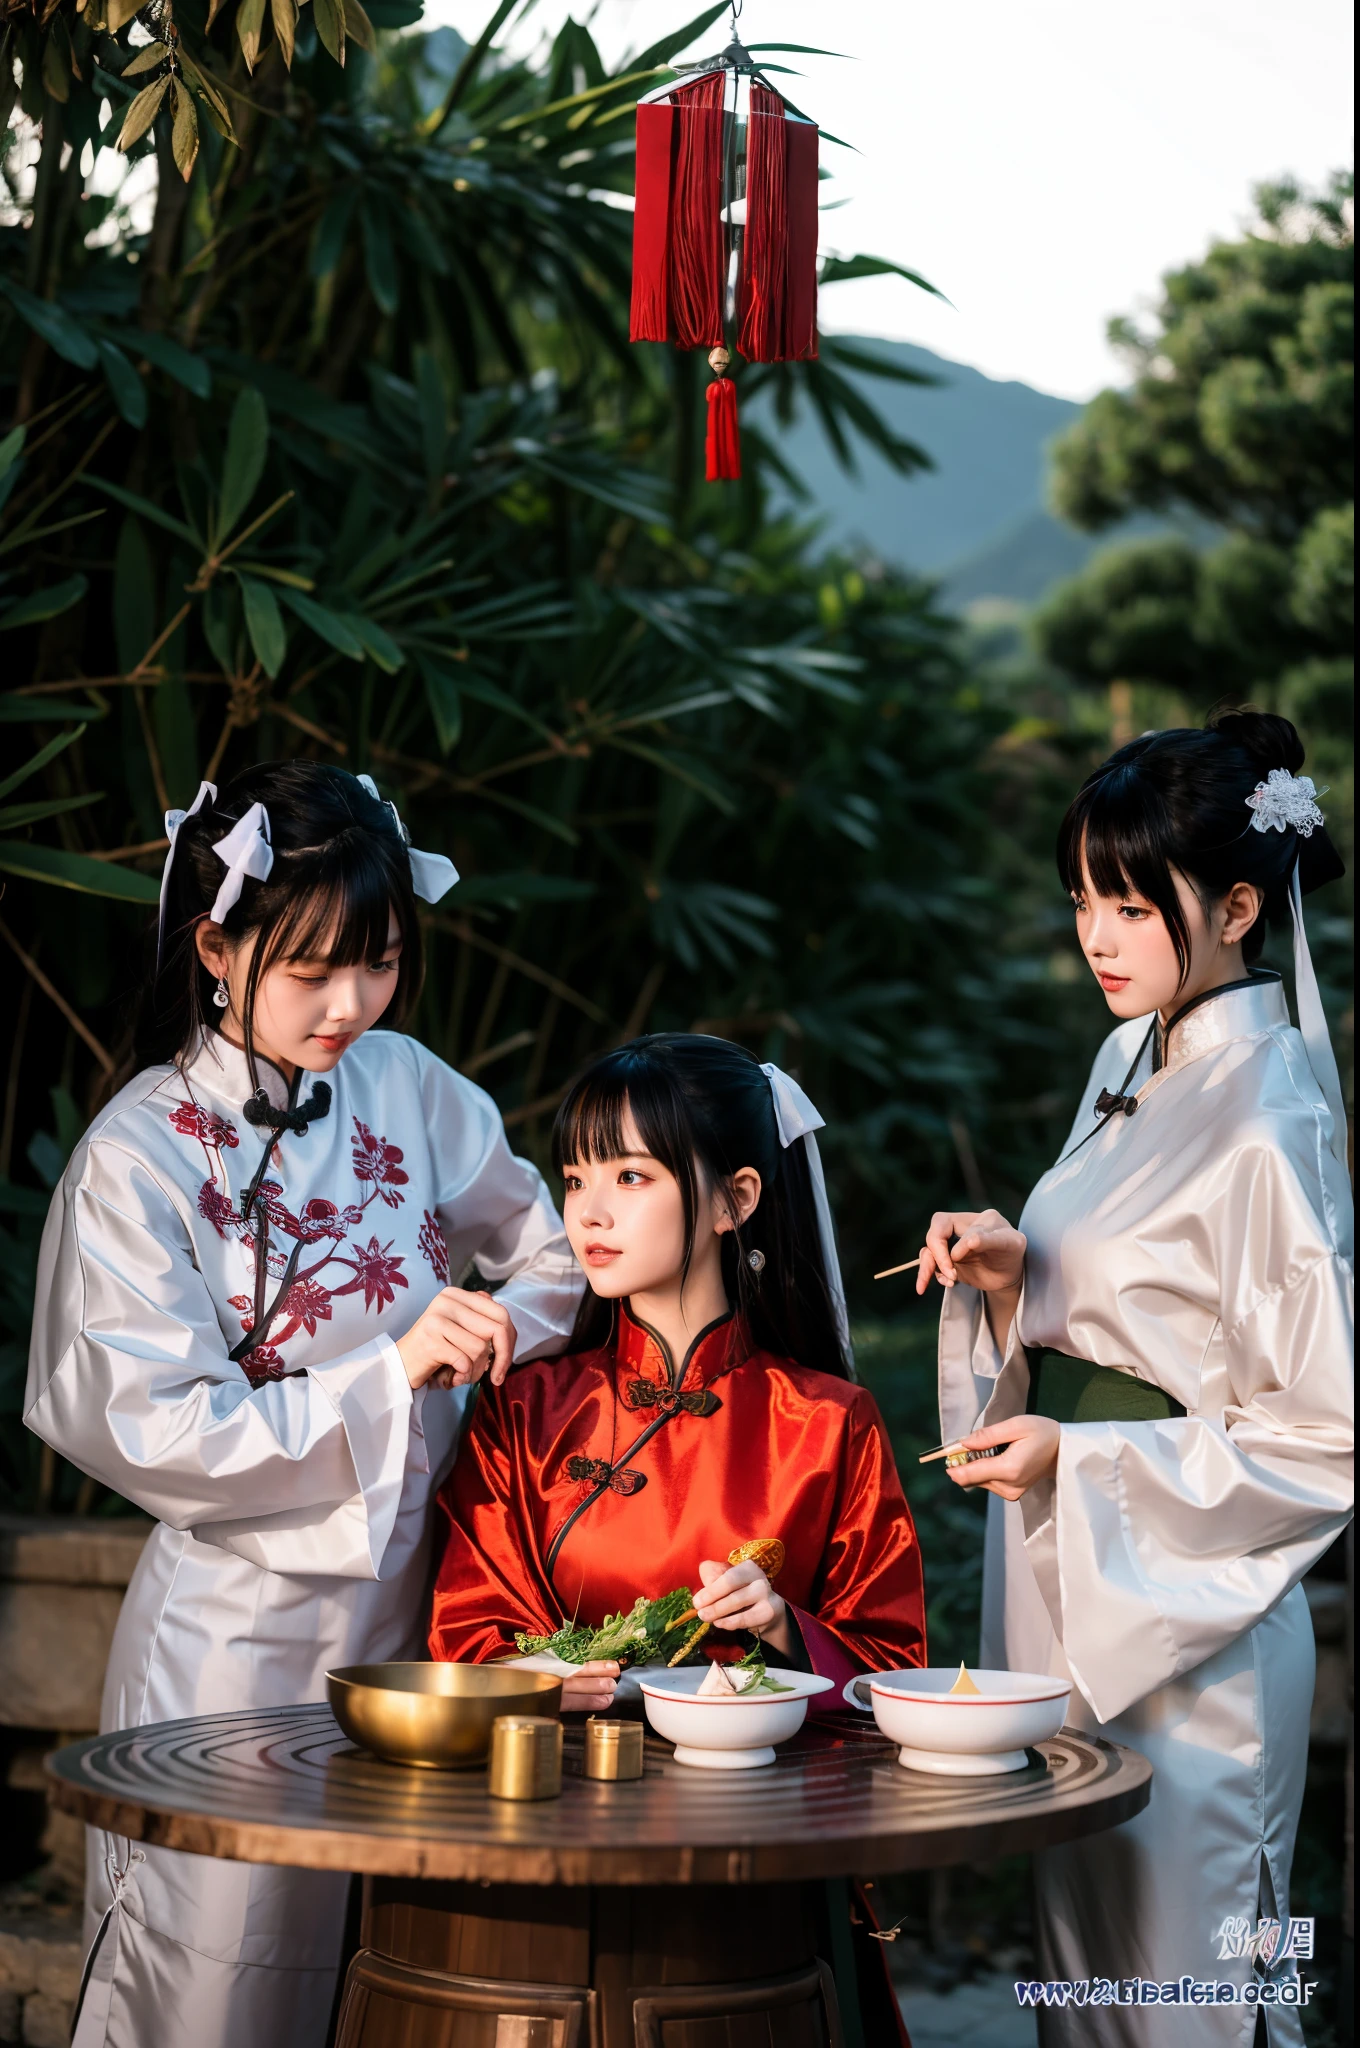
[{"x": 286, "y": 1786}]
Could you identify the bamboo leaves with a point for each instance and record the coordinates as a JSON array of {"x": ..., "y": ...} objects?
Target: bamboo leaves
[
  {"x": 249, "y": 27},
  {"x": 285, "y": 16},
  {"x": 264, "y": 624},
  {"x": 330, "y": 26},
  {"x": 247, "y": 446},
  {"x": 184, "y": 131},
  {"x": 142, "y": 112},
  {"x": 145, "y": 60}
]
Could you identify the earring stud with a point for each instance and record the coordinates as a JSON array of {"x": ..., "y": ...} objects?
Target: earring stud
[{"x": 756, "y": 1261}]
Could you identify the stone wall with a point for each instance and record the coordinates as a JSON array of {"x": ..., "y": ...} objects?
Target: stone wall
[{"x": 61, "y": 1584}]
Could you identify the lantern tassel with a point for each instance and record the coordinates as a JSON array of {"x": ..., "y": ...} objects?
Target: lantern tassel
[{"x": 722, "y": 445}]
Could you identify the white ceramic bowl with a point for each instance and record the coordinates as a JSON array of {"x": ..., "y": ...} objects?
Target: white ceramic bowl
[
  {"x": 962, "y": 1735},
  {"x": 717, "y": 1734}
]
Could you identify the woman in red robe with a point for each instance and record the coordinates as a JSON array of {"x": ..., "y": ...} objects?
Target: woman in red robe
[{"x": 705, "y": 1400}]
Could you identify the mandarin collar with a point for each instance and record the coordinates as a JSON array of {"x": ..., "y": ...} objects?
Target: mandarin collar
[
  {"x": 640, "y": 1353},
  {"x": 1241, "y": 1009},
  {"x": 217, "y": 1067}
]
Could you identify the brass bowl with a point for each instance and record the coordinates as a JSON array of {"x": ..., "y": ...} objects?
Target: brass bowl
[{"x": 438, "y": 1716}]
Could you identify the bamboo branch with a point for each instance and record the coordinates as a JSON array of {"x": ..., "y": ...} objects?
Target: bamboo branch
[
  {"x": 54, "y": 995},
  {"x": 527, "y": 968}
]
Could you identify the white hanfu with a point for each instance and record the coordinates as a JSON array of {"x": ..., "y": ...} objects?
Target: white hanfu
[
  {"x": 291, "y": 1488},
  {"x": 1203, "y": 1244}
]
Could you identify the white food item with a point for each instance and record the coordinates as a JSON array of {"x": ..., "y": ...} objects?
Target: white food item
[{"x": 720, "y": 1682}]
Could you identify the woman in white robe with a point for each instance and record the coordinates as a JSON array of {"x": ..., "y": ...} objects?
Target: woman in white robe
[
  {"x": 290, "y": 1468},
  {"x": 1165, "y": 1346}
]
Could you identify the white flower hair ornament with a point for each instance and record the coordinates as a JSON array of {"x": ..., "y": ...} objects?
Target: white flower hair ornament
[{"x": 1283, "y": 801}]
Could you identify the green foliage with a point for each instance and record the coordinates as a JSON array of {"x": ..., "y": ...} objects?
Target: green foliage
[
  {"x": 689, "y": 775},
  {"x": 1242, "y": 411}
]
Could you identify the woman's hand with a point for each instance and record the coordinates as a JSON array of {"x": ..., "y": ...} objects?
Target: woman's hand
[
  {"x": 986, "y": 1251},
  {"x": 1032, "y": 1455},
  {"x": 737, "y": 1596},
  {"x": 457, "y": 1338},
  {"x": 590, "y": 1690}
]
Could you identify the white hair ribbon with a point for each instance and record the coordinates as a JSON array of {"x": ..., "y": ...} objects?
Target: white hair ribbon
[
  {"x": 1281, "y": 803},
  {"x": 432, "y": 874},
  {"x": 1317, "y": 1040},
  {"x": 244, "y": 851},
  {"x": 207, "y": 793},
  {"x": 796, "y": 1116}
]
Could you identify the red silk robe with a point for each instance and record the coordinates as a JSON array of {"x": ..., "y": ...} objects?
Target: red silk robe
[{"x": 585, "y": 1481}]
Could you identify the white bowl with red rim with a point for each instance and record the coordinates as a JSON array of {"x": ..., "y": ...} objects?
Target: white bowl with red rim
[
  {"x": 717, "y": 1733},
  {"x": 962, "y": 1734}
]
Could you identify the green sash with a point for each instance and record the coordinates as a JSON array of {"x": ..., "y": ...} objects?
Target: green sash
[{"x": 1074, "y": 1390}]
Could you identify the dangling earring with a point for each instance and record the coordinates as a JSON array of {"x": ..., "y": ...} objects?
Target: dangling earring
[
  {"x": 756, "y": 1261},
  {"x": 222, "y": 994}
]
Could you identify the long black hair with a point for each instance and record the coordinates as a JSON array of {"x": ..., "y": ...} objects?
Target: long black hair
[
  {"x": 1177, "y": 800},
  {"x": 341, "y": 871},
  {"x": 703, "y": 1107}
]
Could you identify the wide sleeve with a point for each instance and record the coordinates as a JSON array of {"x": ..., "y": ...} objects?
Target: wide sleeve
[
  {"x": 1157, "y": 1543},
  {"x": 129, "y": 1378},
  {"x": 495, "y": 1211},
  {"x": 491, "y": 1581},
  {"x": 868, "y": 1607}
]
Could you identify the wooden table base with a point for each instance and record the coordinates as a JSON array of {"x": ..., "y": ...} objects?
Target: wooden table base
[{"x": 524, "y": 1966}]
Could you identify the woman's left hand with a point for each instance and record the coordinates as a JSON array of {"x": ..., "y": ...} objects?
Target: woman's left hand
[
  {"x": 737, "y": 1596},
  {"x": 1032, "y": 1454}
]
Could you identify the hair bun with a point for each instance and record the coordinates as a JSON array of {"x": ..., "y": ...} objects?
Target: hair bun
[{"x": 1269, "y": 741}]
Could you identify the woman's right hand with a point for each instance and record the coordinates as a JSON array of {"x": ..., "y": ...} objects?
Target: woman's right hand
[
  {"x": 590, "y": 1690},
  {"x": 460, "y": 1335},
  {"x": 978, "y": 1247}
]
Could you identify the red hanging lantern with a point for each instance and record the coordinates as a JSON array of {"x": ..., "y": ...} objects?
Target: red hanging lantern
[{"x": 725, "y": 231}]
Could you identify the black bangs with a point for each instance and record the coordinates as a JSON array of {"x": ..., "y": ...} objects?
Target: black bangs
[
  {"x": 1181, "y": 802},
  {"x": 341, "y": 872},
  {"x": 1118, "y": 833},
  {"x": 703, "y": 1109},
  {"x": 340, "y": 902},
  {"x": 592, "y": 1123}
]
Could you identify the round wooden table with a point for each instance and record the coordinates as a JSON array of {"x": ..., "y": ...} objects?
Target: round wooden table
[{"x": 608, "y": 1918}]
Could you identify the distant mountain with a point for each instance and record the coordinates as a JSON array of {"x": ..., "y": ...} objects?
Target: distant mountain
[{"x": 978, "y": 519}]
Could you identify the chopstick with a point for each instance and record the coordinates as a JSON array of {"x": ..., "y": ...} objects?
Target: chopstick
[
  {"x": 888, "y": 1271},
  {"x": 948, "y": 1451}
]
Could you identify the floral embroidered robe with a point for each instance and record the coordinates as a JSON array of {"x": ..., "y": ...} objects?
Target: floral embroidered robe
[{"x": 291, "y": 1488}]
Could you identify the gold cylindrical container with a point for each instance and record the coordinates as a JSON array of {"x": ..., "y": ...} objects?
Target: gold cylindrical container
[
  {"x": 526, "y": 1757},
  {"x": 613, "y": 1748}
]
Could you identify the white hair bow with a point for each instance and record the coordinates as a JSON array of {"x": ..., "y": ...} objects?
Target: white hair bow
[
  {"x": 244, "y": 851},
  {"x": 432, "y": 874},
  {"x": 797, "y": 1116},
  {"x": 207, "y": 793}
]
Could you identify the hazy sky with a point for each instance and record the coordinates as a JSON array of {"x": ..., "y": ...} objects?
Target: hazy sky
[{"x": 1042, "y": 164}]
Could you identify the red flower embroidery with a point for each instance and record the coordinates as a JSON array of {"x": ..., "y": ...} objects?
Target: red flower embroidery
[
  {"x": 375, "y": 1272},
  {"x": 193, "y": 1121},
  {"x": 377, "y": 1161},
  {"x": 264, "y": 1363},
  {"x": 321, "y": 1218},
  {"x": 431, "y": 1242},
  {"x": 246, "y": 1307},
  {"x": 216, "y": 1207},
  {"x": 306, "y": 1304}
]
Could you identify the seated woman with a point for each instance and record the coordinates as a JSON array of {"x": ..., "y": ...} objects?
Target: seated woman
[{"x": 705, "y": 1399}]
